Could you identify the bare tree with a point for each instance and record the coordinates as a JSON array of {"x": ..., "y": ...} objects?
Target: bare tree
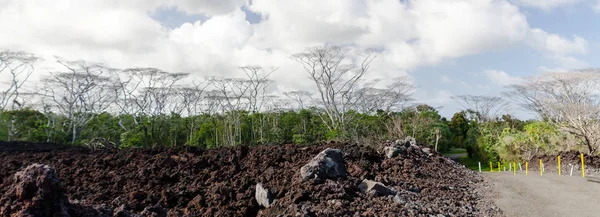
[
  {"x": 300, "y": 97},
  {"x": 231, "y": 96},
  {"x": 147, "y": 94},
  {"x": 398, "y": 94},
  {"x": 125, "y": 88},
  {"x": 526, "y": 97},
  {"x": 394, "y": 97},
  {"x": 335, "y": 76},
  {"x": 80, "y": 92},
  {"x": 148, "y": 89},
  {"x": 488, "y": 107},
  {"x": 258, "y": 83},
  {"x": 191, "y": 98},
  {"x": 569, "y": 99},
  {"x": 19, "y": 66}
]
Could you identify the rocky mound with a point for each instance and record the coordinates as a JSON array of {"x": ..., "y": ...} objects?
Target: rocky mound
[
  {"x": 283, "y": 180},
  {"x": 592, "y": 163},
  {"x": 35, "y": 191}
]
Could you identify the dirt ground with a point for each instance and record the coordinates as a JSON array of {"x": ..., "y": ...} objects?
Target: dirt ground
[
  {"x": 547, "y": 195},
  {"x": 221, "y": 182}
]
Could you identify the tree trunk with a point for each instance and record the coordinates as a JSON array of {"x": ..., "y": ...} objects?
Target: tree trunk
[
  {"x": 591, "y": 149},
  {"x": 74, "y": 135}
]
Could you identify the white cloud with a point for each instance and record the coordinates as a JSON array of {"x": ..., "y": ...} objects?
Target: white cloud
[
  {"x": 412, "y": 33},
  {"x": 501, "y": 78},
  {"x": 69, "y": 28},
  {"x": 409, "y": 34},
  {"x": 558, "y": 49},
  {"x": 545, "y": 4},
  {"x": 556, "y": 44},
  {"x": 596, "y": 7}
]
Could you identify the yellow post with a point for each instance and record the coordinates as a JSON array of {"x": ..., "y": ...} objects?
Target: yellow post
[
  {"x": 541, "y": 169},
  {"x": 559, "y": 165},
  {"x": 582, "y": 166},
  {"x": 514, "y": 168},
  {"x": 526, "y": 168},
  {"x": 499, "y": 167},
  {"x": 491, "y": 168}
]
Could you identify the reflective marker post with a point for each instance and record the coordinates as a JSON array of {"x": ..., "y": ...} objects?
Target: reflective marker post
[
  {"x": 541, "y": 168},
  {"x": 582, "y": 166},
  {"x": 559, "y": 165}
]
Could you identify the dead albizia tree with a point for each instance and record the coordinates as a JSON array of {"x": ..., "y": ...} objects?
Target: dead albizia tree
[
  {"x": 258, "y": 82},
  {"x": 231, "y": 97},
  {"x": 369, "y": 99},
  {"x": 147, "y": 92},
  {"x": 153, "y": 99},
  {"x": 15, "y": 70},
  {"x": 191, "y": 100},
  {"x": 335, "y": 74},
  {"x": 487, "y": 107},
  {"x": 568, "y": 99},
  {"x": 300, "y": 97},
  {"x": 80, "y": 91},
  {"x": 393, "y": 97}
]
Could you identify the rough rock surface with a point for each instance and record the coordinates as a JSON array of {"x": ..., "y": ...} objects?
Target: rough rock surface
[
  {"x": 328, "y": 164},
  {"x": 35, "y": 191},
  {"x": 406, "y": 142},
  {"x": 391, "y": 151},
  {"x": 375, "y": 188},
  {"x": 263, "y": 196},
  {"x": 592, "y": 163},
  {"x": 427, "y": 151},
  {"x": 222, "y": 182}
]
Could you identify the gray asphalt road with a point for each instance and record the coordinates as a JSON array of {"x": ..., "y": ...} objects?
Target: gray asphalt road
[{"x": 548, "y": 195}]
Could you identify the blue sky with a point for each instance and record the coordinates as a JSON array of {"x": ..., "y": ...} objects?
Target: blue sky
[
  {"x": 446, "y": 47},
  {"x": 568, "y": 20}
]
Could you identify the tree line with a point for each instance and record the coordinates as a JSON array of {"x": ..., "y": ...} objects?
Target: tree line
[
  {"x": 87, "y": 103},
  {"x": 150, "y": 106}
]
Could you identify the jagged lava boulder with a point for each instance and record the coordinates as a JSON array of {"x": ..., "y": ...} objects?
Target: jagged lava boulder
[
  {"x": 374, "y": 188},
  {"x": 36, "y": 192},
  {"x": 263, "y": 196},
  {"x": 328, "y": 164}
]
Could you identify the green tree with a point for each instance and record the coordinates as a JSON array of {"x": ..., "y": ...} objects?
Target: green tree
[{"x": 459, "y": 126}]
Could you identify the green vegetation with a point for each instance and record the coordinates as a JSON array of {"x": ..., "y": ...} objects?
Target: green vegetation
[
  {"x": 91, "y": 104},
  {"x": 455, "y": 151},
  {"x": 210, "y": 131},
  {"x": 473, "y": 164},
  {"x": 503, "y": 139}
]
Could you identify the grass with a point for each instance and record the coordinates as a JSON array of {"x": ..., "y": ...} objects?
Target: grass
[{"x": 473, "y": 164}]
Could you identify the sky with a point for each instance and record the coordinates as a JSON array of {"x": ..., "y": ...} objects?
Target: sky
[{"x": 446, "y": 47}]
